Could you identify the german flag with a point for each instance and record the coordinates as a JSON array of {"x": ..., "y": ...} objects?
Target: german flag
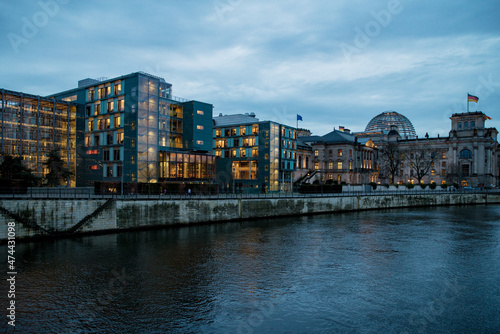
[{"x": 472, "y": 98}]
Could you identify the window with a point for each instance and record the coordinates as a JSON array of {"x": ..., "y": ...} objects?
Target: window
[
  {"x": 90, "y": 126},
  {"x": 255, "y": 152},
  {"x": 119, "y": 170},
  {"x": 88, "y": 110},
  {"x": 433, "y": 172},
  {"x": 466, "y": 124},
  {"x": 200, "y": 112},
  {"x": 316, "y": 165},
  {"x": 96, "y": 140},
  {"x": 339, "y": 165},
  {"x": 107, "y": 123},
  {"x": 106, "y": 155},
  {"x": 350, "y": 153},
  {"x": 111, "y": 106},
  {"x": 91, "y": 95},
  {"x": 118, "y": 88},
  {"x": 443, "y": 172},
  {"x": 316, "y": 153},
  {"x": 350, "y": 164},
  {"x": 97, "y": 109},
  {"x": 330, "y": 165},
  {"x": 443, "y": 164},
  {"x": 339, "y": 153},
  {"x": 199, "y": 127},
  {"x": 255, "y": 129},
  {"x": 132, "y": 159},
  {"x": 121, "y": 105},
  {"x": 87, "y": 141},
  {"x": 473, "y": 124},
  {"x": 266, "y": 156},
  {"x": 116, "y": 155},
  {"x": 459, "y": 125},
  {"x": 107, "y": 91},
  {"x": 132, "y": 142},
  {"x": 465, "y": 170},
  {"x": 242, "y": 131},
  {"x": 109, "y": 138},
  {"x": 465, "y": 154},
  {"x": 199, "y": 142},
  {"x": 236, "y": 143},
  {"x": 109, "y": 171},
  {"x": 117, "y": 121},
  {"x": 443, "y": 155},
  {"x": 218, "y": 133},
  {"x": 233, "y": 153},
  {"x": 119, "y": 138}
]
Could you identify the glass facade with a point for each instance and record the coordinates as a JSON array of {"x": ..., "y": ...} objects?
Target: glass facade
[
  {"x": 257, "y": 155},
  {"x": 32, "y": 126},
  {"x": 131, "y": 122}
]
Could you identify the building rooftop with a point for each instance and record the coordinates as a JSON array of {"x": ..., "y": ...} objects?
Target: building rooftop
[{"x": 235, "y": 119}]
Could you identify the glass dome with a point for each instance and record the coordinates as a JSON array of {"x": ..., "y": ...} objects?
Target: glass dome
[{"x": 391, "y": 120}]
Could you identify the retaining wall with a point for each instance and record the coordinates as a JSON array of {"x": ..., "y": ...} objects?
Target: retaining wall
[{"x": 46, "y": 217}]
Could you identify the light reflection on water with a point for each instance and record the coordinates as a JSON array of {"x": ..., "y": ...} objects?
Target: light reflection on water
[{"x": 418, "y": 270}]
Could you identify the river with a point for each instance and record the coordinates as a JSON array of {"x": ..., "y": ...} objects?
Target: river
[{"x": 425, "y": 270}]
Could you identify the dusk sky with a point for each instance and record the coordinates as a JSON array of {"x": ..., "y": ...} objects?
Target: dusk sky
[{"x": 337, "y": 63}]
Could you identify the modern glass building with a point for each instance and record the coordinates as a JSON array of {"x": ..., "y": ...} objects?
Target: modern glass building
[
  {"x": 32, "y": 126},
  {"x": 256, "y": 156},
  {"x": 136, "y": 131}
]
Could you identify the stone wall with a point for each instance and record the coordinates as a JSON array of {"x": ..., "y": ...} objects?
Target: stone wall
[{"x": 52, "y": 217}]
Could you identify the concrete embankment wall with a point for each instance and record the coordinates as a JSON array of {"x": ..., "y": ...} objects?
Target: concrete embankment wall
[{"x": 40, "y": 217}]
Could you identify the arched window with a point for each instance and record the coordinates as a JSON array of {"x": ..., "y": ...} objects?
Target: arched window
[{"x": 465, "y": 154}]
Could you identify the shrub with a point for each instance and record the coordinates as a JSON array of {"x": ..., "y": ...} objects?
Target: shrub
[
  {"x": 386, "y": 185},
  {"x": 433, "y": 185},
  {"x": 410, "y": 185},
  {"x": 374, "y": 185},
  {"x": 444, "y": 185},
  {"x": 423, "y": 186}
]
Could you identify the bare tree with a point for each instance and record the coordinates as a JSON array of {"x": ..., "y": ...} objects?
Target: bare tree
[
  {"x": 421, "y": 160},
  {"x": 390, "y": 159}
]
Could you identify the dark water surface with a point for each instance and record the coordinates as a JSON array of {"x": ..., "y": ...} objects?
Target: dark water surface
[{"x": 433, "y": 270}]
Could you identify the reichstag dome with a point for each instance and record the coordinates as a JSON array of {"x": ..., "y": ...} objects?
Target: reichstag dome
[{"x": 389, "y": 119}]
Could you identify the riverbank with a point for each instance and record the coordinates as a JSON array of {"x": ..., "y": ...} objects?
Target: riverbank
[{"x": 45, "y": 218}]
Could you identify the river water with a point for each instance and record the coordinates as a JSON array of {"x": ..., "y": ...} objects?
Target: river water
[{"x": 430, "y": 270}]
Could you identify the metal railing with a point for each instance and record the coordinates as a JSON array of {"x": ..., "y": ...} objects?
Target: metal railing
[{"x": 74, "y": 193}]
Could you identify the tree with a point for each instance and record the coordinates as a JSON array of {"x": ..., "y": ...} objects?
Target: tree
[
  {"x": 57, "y": 171},
  {"x": 15, "y": 174},
  {"x": 390, "y": 159},
  {"x": 421, "y": 160}
]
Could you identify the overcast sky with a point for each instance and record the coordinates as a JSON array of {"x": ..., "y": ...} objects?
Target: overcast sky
[{"x": 336, "y": 64}]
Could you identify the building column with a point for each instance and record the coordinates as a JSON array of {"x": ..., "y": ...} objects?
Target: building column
[{"x": 475, "y": 159}]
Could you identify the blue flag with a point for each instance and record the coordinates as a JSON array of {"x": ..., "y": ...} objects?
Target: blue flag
[{"x": 299, "y": 118}]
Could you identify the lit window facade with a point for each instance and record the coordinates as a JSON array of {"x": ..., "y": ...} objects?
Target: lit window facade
[
  {"x": 32, "y": 126},
  {"x": 258, "y": 156},
  {"x": 135, "y": 118}
]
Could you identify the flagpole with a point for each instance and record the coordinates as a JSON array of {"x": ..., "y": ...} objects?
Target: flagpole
[{"x": 467, "y": 102}]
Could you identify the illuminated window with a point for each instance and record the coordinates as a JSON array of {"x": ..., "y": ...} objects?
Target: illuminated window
[
  {"x": 330, "y": 165},
  {"x": 119, "y": 138},
  {"x": 316, "y": 165},
  {"x": 132, "y": 160},
  {"x": 443, "y": 155},
  {"x": 255, "y": 152},
  {"x": 217, "y": 133},
  {"x": 199, "y": 127},
  {"x": 339, "y": 165},
  {"x": 330, "y": 177},
  {"x": 132, "y": 143},
  {"x": 339, "y": 153},
  {"x": 443, "y": 172},
  {"x": 433, "y": 172},
  {"x": 118, "y": 88},
  {"x": 117, "y": 121},
  {"x": 121, "y": 105},
  {"x": 266, "y": 156},
  {"x": 200, "y": 112},
  {"x": 199, "y": 142},
  {"x": 316, "y": 153},
  {"x": 111, "y": 106}
]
